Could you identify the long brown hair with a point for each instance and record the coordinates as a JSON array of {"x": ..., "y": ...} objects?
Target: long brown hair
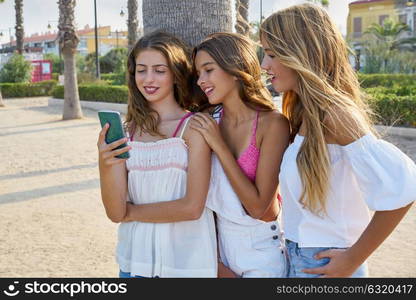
[
  {"x": 235, "y": 54},
  {"x": 304, "y": 39},
  {"x": 139, "y": 113}
]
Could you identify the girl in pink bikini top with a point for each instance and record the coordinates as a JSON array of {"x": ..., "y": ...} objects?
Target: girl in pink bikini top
[{"x": 243, "y": 189}]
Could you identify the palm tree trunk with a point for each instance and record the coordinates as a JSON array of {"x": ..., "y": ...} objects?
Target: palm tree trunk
[
  {"x": 188, "y": 19},
  {"x": 242, "y": 25},
  {"x": 132, "y": 23},
  {"x": 18, "y": 5},
  {"x": 68, "y": 41},
  {"x": 1, "y": 100}
]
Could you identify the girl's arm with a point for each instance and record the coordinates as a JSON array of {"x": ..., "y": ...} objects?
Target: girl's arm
[
  {"x": 343, "y": 263},
  {"x": 256, "y": 197},
  {"x": 113, "y": 177},
  {"x": 191, "y": 206}
]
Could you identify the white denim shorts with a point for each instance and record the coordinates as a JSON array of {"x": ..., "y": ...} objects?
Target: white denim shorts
[{"x": 252, "y": 251}]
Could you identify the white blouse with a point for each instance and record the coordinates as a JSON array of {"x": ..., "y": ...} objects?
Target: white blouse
[{"x": 368, "y": 173}]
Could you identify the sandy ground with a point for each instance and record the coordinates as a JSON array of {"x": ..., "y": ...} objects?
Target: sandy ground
[{"x": 52, "y": 222}]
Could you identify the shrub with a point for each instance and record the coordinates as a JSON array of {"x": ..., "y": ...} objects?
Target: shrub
[
  {"x": 115, "y": 78},
  {"x": 392, "y": 109},
  {"x": 386, "y": 80},
  {"x": 17, "y": 69},
  {"x": 16, "y": 90},
  {"x": 114, "y": 94}
]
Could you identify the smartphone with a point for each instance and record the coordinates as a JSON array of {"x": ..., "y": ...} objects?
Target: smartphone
[{"x": 115, "y": 131}]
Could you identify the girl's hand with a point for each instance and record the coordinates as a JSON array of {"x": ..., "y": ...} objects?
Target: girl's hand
[
  {"x": 209, "y": 129},
  {"x": 340, "y": 264},
  {"x": 106, "y": 152},
  {"x": 128, "y": 216}
]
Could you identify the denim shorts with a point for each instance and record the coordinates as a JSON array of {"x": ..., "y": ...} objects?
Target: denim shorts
[
  {"x": 127, "y": 275},
  {"x": 303, "y": 258}
]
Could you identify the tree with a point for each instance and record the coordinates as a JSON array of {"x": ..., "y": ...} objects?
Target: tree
[
  {"x": 1, "y": 96},
  {"x": 390, "y": 33},
  {"x": 68, "y": 41},
  {"x": 132, "y": 23},
  {"x": 324, "y": 3},
  {"x": 190, "y": 20},
  {"x": 17, "y": 69},
  {"x": 18, "y": 5},
  {"x": 114, "y": 61},
  {"x": 242, "y": 25}
]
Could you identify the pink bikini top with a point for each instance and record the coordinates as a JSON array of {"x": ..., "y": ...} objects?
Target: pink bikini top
[
  {"x": 249, "y": 158},
  {"x": 177, "y": 127}
]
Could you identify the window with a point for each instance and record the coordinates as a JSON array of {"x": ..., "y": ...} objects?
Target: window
[
  {"x": 357, "y": 27},
  {"x": 414, "y": 23},
  {"x": 381, "y": 19},
  {"x": 403, "y": 19}
]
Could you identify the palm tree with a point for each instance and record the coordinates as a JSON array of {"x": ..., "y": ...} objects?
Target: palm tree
[
  {"x": 324, "y": 3},
  {"x": 242, "y": 25},
  {"x": 190, "y": 20},
  {"x": 390, "y": 34},
  {"x": 68, "y": 41},
  {"x": 132, "y": 23},
  {"x": 1, "y": 97},
  {"x": 18, "y": 5}
]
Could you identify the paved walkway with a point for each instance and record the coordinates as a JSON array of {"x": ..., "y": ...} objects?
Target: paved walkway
[{"x": 52, "y": 222}]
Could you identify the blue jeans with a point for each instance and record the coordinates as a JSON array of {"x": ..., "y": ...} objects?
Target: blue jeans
[
  {"x": 303, "y": 258},
  {"x": 128, "y": 275}
]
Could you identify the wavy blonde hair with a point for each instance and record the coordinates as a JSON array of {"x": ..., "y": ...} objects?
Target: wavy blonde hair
[
  {"x": 139, "y": 113},
  {"x": 304, "y": 39},
  {"x": 236, "y": 55}
]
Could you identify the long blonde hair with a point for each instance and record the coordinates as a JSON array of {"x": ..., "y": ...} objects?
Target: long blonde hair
[
  {"x": 139, "y": 113},
  {"x": 235, "y": 54},
  {"x": 304, "y": 39}
]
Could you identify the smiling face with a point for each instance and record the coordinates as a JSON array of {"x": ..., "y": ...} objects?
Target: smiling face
[
  {"x": 153, "y": 77},
  {"x": 217, "y": 84},
  {"x": 283, "y": 78}
]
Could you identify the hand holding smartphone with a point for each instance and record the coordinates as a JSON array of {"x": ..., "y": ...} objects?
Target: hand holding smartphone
[{"x": 115, "y": 131}]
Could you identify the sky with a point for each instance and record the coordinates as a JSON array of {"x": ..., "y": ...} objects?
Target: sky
[{"x": 37, "y": 14}]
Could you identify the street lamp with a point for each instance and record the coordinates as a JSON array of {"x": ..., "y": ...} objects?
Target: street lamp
[
  {"x": 49, "y": 23},
  {"x": 97, "y": 64},
  {"x": 122, "y": 13},
  {"x": 410, "y": 2}
]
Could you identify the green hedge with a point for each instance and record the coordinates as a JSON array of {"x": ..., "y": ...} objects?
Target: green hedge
[
  {"x": 386, "y": 80},
  {"x": 102, "y": 93},
  {"x": 16, "y": 90},
  {"x": 392, "y": 109},
  {"x": 115, "y": 78}
]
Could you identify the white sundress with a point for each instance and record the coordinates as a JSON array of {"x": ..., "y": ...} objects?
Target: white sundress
[{"x": 157, "y": 171}]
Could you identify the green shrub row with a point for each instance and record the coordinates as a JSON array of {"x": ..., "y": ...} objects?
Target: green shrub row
[
  {"x": 16, "y": 90},
  {"x": 102, "y": 93},
  {"x": 393, "y": 109},
  {"x": 386, "y": 80},
  {"x": 115, "y": 78}
]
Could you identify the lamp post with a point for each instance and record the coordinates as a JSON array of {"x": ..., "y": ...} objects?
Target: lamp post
[
  {"x": 261, "y": 11},
  {"x": 97, "y": 64},
  {"x": 51, "y": 21}
]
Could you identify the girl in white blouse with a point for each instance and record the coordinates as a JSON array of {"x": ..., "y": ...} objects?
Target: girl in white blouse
[
  {"x": 336, "y": 166},
  {"x": 159, "y": 193}
]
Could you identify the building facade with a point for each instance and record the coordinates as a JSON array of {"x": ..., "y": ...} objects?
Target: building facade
[
  {"x": 48, "y": 42},
  {"x": 364, "y": 13}
]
